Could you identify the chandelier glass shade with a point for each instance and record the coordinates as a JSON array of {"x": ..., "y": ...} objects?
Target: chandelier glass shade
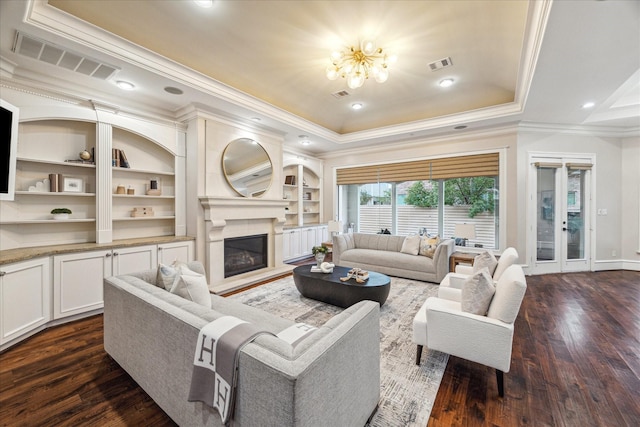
[{"x": 358, "y": 64}]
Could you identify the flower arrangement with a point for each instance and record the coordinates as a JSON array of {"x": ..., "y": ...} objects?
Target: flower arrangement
[{"x": 322, "y": 249}]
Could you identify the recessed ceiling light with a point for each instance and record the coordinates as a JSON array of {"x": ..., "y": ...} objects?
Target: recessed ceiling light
[
  {"x": 173, "y": 90},
  {"x": 446, "y": 82},
  {"x": 125, "y": 85},
  {"x": 204, "y": 3},
  {"x": 356, "y": 106},
  {"x": 256, "y": 119},
  {"x": 304, "y": 139},
  {"x": 460, "y": 127},
  {"x": 588, "y": 105}
]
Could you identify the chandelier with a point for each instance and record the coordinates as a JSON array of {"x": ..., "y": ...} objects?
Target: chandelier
[{"x": 357, "y": 64}]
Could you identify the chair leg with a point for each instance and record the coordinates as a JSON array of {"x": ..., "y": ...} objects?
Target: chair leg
[
  {"x": 500, "y": 379},
  {"x": 418, "y": 354}
]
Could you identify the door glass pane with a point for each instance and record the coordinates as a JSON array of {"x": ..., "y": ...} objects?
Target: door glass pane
[
  {"x": 546, "y": 220},
  {"x": 575, "y": 214}
]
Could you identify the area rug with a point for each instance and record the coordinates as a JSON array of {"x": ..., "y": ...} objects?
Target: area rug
[{"x": 407, "y": 391}]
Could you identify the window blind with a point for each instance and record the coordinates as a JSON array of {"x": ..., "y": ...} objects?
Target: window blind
[{"x": 444, "y": 168}]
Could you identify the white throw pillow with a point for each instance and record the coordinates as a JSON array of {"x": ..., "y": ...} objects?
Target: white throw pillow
[
  {"x": 166, "y": 276},
  {"x": 477, "y": 292},
  {"x": 192, "y": 286},
  {"x": 411, "y": 245},
  {"x": 485, "y": 260}
]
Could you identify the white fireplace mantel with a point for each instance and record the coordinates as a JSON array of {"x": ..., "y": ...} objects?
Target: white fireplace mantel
[{"x": 227, "y": 217}]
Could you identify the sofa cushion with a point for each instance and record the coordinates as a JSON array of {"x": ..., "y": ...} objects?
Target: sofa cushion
[
  {"x": 428, "y": 245},
  {"x": 510, "y": 289},
  {"x": 411, "y": 245},
  {"x": 192, "y": 286},
  {"x": 477, "y": 292},
  {"x": 485, "y": 260}
]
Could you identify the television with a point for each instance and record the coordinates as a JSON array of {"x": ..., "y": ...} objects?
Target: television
[{"x": 8, "y": 148}]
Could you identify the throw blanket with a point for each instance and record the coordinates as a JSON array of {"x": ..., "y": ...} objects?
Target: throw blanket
[{"x": 215, "y": 363}]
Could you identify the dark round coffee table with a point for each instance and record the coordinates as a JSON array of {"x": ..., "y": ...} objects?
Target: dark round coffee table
[{"x": 327, "y": 287}]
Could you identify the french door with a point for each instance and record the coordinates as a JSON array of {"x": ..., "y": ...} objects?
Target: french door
[{"x": 559, "y": 222}]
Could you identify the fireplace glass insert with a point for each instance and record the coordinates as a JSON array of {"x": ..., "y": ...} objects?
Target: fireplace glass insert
[{"x": 244, "y": 254}]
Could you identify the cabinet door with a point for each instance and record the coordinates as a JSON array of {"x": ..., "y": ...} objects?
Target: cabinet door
[
  {"x": 77, "y": 282},
  {"x": 25, "y": 297},
  {"x": 130, "y": 260},
  {"x": 180, "y": 251}
]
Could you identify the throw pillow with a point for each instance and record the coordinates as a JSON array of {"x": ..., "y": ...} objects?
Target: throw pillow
[
  {"x": 166, "y": 276},
  {"x": 485, "y": 260},
  {"x": 411, "y": 245},
  {"x": 192, "y": 286},
  {"x": 477, "y": 292},
  {"x": 428, "y": 245}
]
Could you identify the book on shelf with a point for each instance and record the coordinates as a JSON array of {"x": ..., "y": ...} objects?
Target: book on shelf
[
  {"x": 290, "y": 180},
  {"x": 119, "y": 159}
]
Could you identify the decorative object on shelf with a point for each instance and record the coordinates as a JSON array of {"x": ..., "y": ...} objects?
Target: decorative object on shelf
[
  {"x": 131, "y": 191},
  {"x": 43, "y": 186},
  {"x": 61, "y": 213},
  {"x": 153, "y": 188},
  {"x": 84, "y": 155},
  {"x": 142, "y": 212},
  {"x": 356, "y": 64},
  {"x": 54, "y": 182},
  {"x": 72, "y": 184},
  {"x": 307, "y": 196},
  {"x": 290, "y": 180},
  {"x": 320, "y": 252},
  {"x": 120, "y": 189}
]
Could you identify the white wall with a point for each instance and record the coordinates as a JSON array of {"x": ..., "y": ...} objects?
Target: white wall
[
  {"x": 630, "y": 198},
  {"x": 608, "y": 186}
]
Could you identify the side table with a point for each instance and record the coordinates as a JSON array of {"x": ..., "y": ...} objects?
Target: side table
[{"x": 460, "y": 258}]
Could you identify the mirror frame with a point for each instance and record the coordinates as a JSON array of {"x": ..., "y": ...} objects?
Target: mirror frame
[{"x": 230, "y": 150}]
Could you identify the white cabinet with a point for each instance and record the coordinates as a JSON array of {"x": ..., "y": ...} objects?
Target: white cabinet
[
  {"x": 132, "y": 259},
  {"x": 25, "y": 297},
  {"x": 291, "y": 244},
  {"x": 298, "y": 242},
  {"x": 77, "y": 282},
  {"x": 175, "y": 251}
]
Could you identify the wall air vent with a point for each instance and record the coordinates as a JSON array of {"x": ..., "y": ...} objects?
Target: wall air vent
[
  {"x": 341, "y": 94},
  {"x": 55, "y": 55},
  {"x": 440, "y": 63}
]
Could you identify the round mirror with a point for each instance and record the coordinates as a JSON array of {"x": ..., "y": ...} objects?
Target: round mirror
[{"x": 247, "y": 167}]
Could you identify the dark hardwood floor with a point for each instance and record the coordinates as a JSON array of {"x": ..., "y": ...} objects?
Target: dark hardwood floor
[{"x": 576, "y": 362}]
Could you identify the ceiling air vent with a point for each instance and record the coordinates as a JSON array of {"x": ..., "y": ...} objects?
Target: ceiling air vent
[
  {"x": 440, "y": 63},
  {"x": 55, "y": 55},
  {"x": 341, "y": 94}
]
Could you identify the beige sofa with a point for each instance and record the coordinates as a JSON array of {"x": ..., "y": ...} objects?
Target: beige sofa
[
  {"x": 382, "y": 253},
  {"x": 332, "y": 377}
]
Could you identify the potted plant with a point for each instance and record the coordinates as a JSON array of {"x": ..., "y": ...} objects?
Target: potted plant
[
  {"x": 320, "y": 252},
  {"x": 61, "y": 213}
]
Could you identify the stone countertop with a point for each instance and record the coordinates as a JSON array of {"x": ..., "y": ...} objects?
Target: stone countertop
[
  {"x": 294, "y": 227},
  {"x": 22, "y": 254}
]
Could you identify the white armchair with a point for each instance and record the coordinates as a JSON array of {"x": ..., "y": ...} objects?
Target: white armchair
[
  {"x": 452, "y": 282},
  {"x": 442, "y": 325}
]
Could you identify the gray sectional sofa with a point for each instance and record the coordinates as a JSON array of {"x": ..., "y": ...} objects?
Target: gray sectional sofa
[
  {"x": 381, "y": 253},
  {"x": 332, "y": 377}
]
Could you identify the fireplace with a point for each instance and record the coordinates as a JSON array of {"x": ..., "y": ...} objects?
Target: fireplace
[{"x": 244, "y": 254}]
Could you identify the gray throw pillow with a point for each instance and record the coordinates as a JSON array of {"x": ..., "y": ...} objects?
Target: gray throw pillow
[
  {"x": 166, "y": 276},
  {"x": 477, "y": 293},
  {"x": 485, "y": 260}
]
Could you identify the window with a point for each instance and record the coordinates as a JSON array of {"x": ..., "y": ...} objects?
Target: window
[{"x": 414, "y": 206}]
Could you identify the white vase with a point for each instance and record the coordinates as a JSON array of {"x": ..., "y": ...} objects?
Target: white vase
[
  {"x": 60, "y": 216},
  {"x": 320, "y": 258}
]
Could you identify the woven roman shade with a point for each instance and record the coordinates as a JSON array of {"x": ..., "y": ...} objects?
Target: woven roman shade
[
  {"x": 579, "y": 166},
  {"x": 445, "y": 168}
]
